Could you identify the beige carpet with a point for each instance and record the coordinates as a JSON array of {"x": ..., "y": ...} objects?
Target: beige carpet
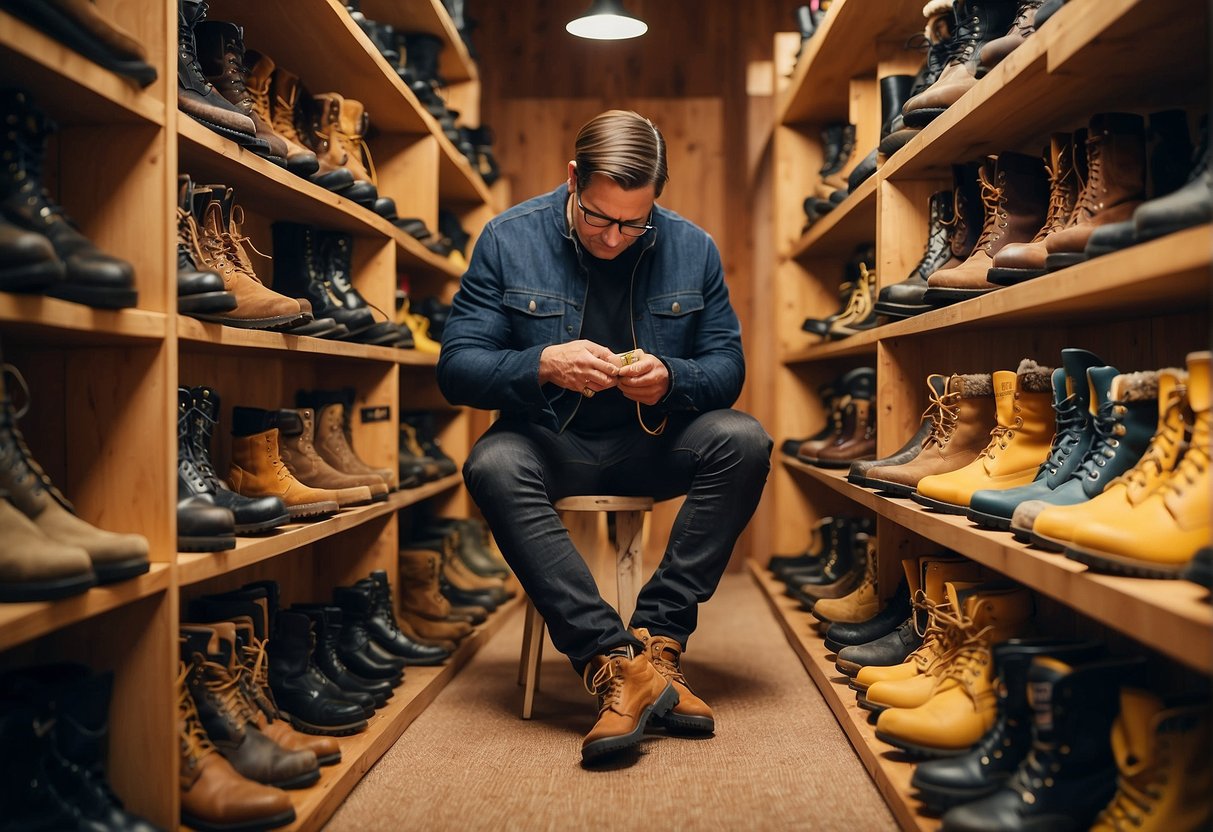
[{"x": 778, "y": 759}]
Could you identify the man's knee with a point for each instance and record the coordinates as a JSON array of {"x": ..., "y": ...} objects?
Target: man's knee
[
  {"x": 499, "y": 461},
  {"x": 738, "y": 435}
]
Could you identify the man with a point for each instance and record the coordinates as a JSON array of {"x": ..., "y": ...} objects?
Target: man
[{"x": 599, "y": 324}]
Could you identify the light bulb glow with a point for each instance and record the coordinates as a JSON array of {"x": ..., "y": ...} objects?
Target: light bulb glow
[{"x": 607, "y": 27}]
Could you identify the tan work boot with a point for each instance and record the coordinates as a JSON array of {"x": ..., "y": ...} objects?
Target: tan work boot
[
  {"x": 333, "y": 445},
  {"x": 961, "y": 422},
  {"x": 1162, "y": 754},
  {"x": 422, "y": 603},
  {"x": 1159, "y": 535},
  {"x": 257, "y": 470},
  {"x": 213, "y": 795},
  {"x": 299, "y": 160},
  {"x": 1052, "y": 527},
  {"x": 295, "y": 431},
  {"x": 691, "y": 713},
  {"x": 859, "y": 605},
  {"x": 630, "y": 691},
  {"x": 1017, "y": 447}
]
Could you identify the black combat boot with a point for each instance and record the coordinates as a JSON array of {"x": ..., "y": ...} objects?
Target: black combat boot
[
  {"x": 380, "y": 621},
  {"x": 196, "y": 96},
  {"x": 202, "y": 524},
  {"x": 307, "y": 698},
  {"x": 301, "y": 271},
  {"x": 326, "y": 621}
]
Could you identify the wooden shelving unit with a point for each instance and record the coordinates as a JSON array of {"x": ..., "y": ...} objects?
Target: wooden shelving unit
[
  {"x": 1141, "y": 308},
  {"x": 102, "y": 404}
]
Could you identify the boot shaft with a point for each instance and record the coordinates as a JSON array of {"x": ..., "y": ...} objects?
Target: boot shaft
[
  {"x": 1187, "y": 491},
  {"x": 938, "y": 249},
  {"x": 1024, "y": 405},
  {"x": 977, "y": 23},
  {"x": 966, "y": 413},
  {"x": 1123, "y": 409},
  {"x": 1064, "y": 182},
  {"x": 220, "y": 53},
  {"x": 967, "y": 211},
  {"x": 1116, "y": 164},
  {"x": 1163, "y": 452},
  {"x": 27, "y": 486},
  {"x": 1074, "y": 415},
  {"x": 1014, "y": 193}
]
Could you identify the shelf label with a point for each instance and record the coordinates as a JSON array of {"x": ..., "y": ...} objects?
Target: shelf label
[{"x": 382, "y": 413}]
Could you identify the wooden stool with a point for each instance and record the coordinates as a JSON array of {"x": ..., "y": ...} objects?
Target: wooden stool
[{"x": 629, "y": 566}]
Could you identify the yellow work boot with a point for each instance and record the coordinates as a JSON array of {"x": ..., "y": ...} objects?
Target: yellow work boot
[
  {"x": 630, "y": 691},
  {"x": 1162, "y": 755},
  {"x": 691, "y": 713},
  {"x": 928, "y": 593},
  {"x": 860, "y": 604},
  {"x": 1052, "y": 527},
  {"x": 1018, "y": 445},
  {"x": 1158, "y": 536},
  {"x": 963, "y": 704}
]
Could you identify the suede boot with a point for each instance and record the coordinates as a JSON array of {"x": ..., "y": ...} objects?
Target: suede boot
[
  {"x": 1018, "y": 445},
  {"x": 331, "y": 148},
  {"x": 299, "y": 160},
  {"x": 333, "y": 448},
  {"x": 289, "y": 121},
  {"x": 421, "y": 601},
  {"x": 961, "y": 419},
  {"x": 258, "y": 471},
  {"x": 296, "y": 429},
  {"x": 35, "y": 568},
  {"x": 630, "y": 691},
  {"x": 691, "y": 713}
]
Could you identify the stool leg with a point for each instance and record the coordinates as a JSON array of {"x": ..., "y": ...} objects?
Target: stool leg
[
  {"x": 532, "y": 657},
  {"x": 528, "y": 626},
  {"x": 629, "y": 563}
]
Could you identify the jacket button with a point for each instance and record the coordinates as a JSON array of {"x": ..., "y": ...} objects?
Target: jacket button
[
  {"x": 676, "y": 308},
  {"x": 569, "y": 329},
  {"x": 531, "y": 306}
]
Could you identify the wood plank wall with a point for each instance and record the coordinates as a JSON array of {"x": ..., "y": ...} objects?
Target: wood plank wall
[{"x": 689, "y": 75}]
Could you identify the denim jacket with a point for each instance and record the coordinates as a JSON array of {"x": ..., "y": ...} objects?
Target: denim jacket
[{"x": 525, "y": 289}]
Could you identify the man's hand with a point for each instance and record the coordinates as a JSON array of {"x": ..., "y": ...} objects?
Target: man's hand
[
  {"x": 582, "y": 366},
  {"x": 644, "y": 379}
]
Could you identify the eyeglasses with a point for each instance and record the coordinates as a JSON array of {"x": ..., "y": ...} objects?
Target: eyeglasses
[{"x": 627, "y": 229}]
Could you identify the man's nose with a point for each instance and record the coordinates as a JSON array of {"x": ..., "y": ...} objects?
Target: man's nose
[{"x": 611, "y": 236}]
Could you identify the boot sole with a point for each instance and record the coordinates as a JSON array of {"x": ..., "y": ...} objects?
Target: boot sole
[
  {"x": 321, "y": 509},
  {"x": 902, "y": 310},
  {"x": 280, "y": 322},
  {"x": 120, "y": 571},
  {"x": 939, "y": 505},
  {"x": 945, "y": 296},
  {"x": 206, "y": 302},
  {"x": 894, "y": 489},
  {"x": 32, "y": 277},
  {"x": 98, "y": 297},
  {"x": 1021, "y": 534},
  {"x": 346, "y": 730},
  {"x": 598, "y": 749},
  {"x": 205, "y": 544},
  {"x": 921, "y": 118},
  {"x": 268, "y": 822},
  {"x": 868, "y": 705},
  {"x": 1121, "y": 565},
  {"x": 301, "y": 781},
  {"x": 1013, "y": 277},
  {"x": 263, "y": 526},
  {"x": 924, "y": 752},
  {"x": 677, "y": 723},
  {"x": 842, "y": 463},
  {"x": 939, "y": 799},
  {"x": 989, "y": 521},
  {"x": 1048, "y": 543},
  {"x": 47, "y": 590},
  {"x": 242, "y": 139},
  {"x": 1064, "y": 259},
  {"x": 846, "y": 668}
]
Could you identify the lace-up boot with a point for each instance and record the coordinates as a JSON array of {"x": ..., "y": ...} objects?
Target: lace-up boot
[
  {"x": 381, "y": 623},
  {"x": 221, "y": 55},
  {"x": 1162, "y": 757},
  {"x": 630, "y": 691},
  {"x": 228, "y": 718},
  {"x": 213, "y": 796},
  {"x": 859, "y": 604},
  {"x": 1018, "y": 445},
  {"x": 422, "y": 604},
  {"x": 196, "y": 96},
  {"x": 946, "y": 782},
  {"x": 349, "y": 132},
  {"x": 91, "y": 276},
  {"x": 858, "y": 473},
  {"x": 311, "y": 702},
  {"x": 994, "y": 51},
  {"x": 1069, "y": 773},
  {"x": 337, "y": 249},
  {"x": 334, "y": 432},
  {"x": 1115, "y": 185},
  {"x": 202, "y": 525},
  {"x": 856, "y": 438},
  {"x": 197, "y": 290},
  {"x": 1014, "y": 193},
  {"x": 1051, "y": 527},
  {"x": 1161, "y": 534},
  {"x": 258, "y": 82},
  {"x": 290, "y": 122},
  {"x": 904, "y": 299},
  {"x": 1123, "y": 415},
  {"x": 1076, "y": 403},
  {"x": 961, "y": 419},
  {"x": 257, "y": 470},
  {"x": 332, "y": 147},
  {"x": 977, "y": 23},
  {"x": 858, "y": 383},
  {"x": 296, "y": 429},
  {"x": 859, "y": 315},
  {"x": 361, "y": 690},
  {"x": 691, "y": 713},
  {"x": 841, "y": 571},
  {"x": 937, "y": 38},
  {"x": 842, "y": 634},
  {"x": 962, "y": 705},
  {"x": 1067, "y": 165}
]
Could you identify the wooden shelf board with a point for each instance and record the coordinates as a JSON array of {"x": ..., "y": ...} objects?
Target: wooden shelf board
[
  {"x": 843, "y": 48},
  {"x": 890, "y": 773},
  {"x": 1081, "y": 58},
  {"x": 34, "y": 314},
  {"x": 1163, "y": 275},
  {"x": 454, "y": 63},
  {"x": 850, "y": 224},
  {"x": 457, "y": 182},
  {"x": 1168, "y": 616},
  {"x": 71, "y": 88},
  {"x": 195, "y": 567},
  {"x": 206, "y": 335},
  {"x": 22, "y": 622},
  {"x": 420, "y": 258}
]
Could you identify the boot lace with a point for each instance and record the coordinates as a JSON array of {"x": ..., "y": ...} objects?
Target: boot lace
[
  {"x": 1109, "y": 426},
  {"x": 237, "y": 240},
  {"x": 224, "y": 686},
  {"x": 964, "y": 40},
  {"x": 275, "y": 459},
  {"x": 993, "y": 201},
  {"x": 1071, "y": 420},
  {"x": 944, "y": 412},
  {"x": 195, "y": 744},
  {"x": 970, "y": 656},
  {"x": 1061, "y": 201},
  {"x": 203, "y": 423},
  {"x": 1087, "y": 204},
  {"x": 187, "y": 463},
  {"x": 258, "y": 90},
  {"x": 16, "y": 455},
  {"x": 1194, "y": 466},
  {"x": 1002, "y": 435},
  {"x": 607, "y": 685},
  {"x": 1131, "y": 803},
  {"x": 189, "y": 47},
  {"x": 957, "y": 224},
  {"x": 666, "y": 659},
  {"x": 283, "y": 121},
  {"x": 1162, "y": 448},
  {"x": 256, "y": 670},
  {"x": 937, "y": 638}
]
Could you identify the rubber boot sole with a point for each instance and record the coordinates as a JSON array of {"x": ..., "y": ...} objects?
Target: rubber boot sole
[
  {"x": 924, "y": 752},
  {"x": 1116, "y": 564},
  {"x": 321, "y": 509},
  {"x": 681, "y": 723},
  {"x": 98, "y": 297},
  {"x": 598, "y": 749},
  {"x": 939, "y": 505},
  {"x": 346, "y": 730},
  {"x": 1013, "y": 277},
  {"x": 276, "y": 323},
  {"x": 121, "y": 570},
  {"x": 264, "y": 525},
  {"x": 47, "y": 590},
  {"x": 268, "y": 822},
  {"x": 216, "y": 543},
  {"x": 989, "y": 521}
]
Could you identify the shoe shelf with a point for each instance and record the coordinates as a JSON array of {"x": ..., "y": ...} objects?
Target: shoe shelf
[
  {"x": 315, "y": 805},
  {"x": 1162, "y": 275},
  {"x": 455, "y": 63},
  {"x": 890, "y": 771},
  {"x": 457, "y": 182},
  {"x": 193, "y": 567},
  {"x": 61, "y": 321},
  {"x": 843, "y": 48},
  {"x": 1168, "y": 616},
  {"x": 59, "y": 75},
  {"x": 206, "y": 335},
  {"x": 24, "y": 622},
  {"x": 850, "y": 224},
  {"x": 1091, "y": 55}
]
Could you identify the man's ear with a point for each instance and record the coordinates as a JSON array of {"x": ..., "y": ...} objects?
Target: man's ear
[{"x": 572, "y": 176}]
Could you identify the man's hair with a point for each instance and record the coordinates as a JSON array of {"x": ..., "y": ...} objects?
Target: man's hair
[{"x": 624, "y": 146}]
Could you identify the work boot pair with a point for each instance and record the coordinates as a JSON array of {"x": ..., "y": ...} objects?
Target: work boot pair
[
  {"x": 859, "y": 275},
  {"x": 837, "y": 146},
  {"x": 463, "y": 587},
  {"x": 853, "y": 424},
  {"x": 41, "y": 249},
  {"x": 49, "y": 552},
  {"x": 849, "y": 543},
  {"x": 424, "y": 609},
  {"x": 421, "y": 458}
]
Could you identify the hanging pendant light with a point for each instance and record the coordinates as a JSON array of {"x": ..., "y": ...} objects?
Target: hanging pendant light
[{"x": 607, "y": 20}]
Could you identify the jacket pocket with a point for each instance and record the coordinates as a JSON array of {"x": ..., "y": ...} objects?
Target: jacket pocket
[
  {"x": 534, "y": 318},
  {"x": 675, "y": 320}
]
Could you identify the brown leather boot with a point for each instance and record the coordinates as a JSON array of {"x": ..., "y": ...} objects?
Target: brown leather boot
[
  {"x": 258, "y": 471},
  {"x": 411, "y": 631},
  {"x": 962, "y": 419},
  {"x": 295, "y": 431},
  {"x": 1022, "y": 261},
  {"x": 857, "y": 438},
  {"x": 1115, "y": 186},
  {"x": 967, "y": 213},
  {"x": 691, "y": 713},
  {"x": 213, "y": 795},
  {"x": 299, "y": 160},
  {"x": 332, "y": 147},
  {"x": 994, "y": 51},
  {"x": 630, "y": 691},
  {"x": 287, "y": 119},
  {"x": 333, "y": 445},
  {"x": 350, "y": 131},
  {"x": 1014, "y": 190},
  {"x": 422, "y": 603}
]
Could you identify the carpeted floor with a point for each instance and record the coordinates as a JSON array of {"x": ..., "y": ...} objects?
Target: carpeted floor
[{"x": 778, "y": 759}]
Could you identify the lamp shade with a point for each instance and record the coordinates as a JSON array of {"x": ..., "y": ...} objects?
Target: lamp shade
[{"x": 607, "y": 20}]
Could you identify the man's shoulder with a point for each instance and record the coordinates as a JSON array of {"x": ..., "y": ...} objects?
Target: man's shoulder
[
  {"x": 683, "y": 231},
  {"x": 535, "y": 209}
]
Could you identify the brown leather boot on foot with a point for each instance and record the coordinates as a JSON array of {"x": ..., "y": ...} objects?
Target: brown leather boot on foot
[
  {"x": 691, "y": 713},
  {"x": 630, "y": 691}
]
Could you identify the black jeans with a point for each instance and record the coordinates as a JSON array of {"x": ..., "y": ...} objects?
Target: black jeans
[{"x": 518, "y": 470}]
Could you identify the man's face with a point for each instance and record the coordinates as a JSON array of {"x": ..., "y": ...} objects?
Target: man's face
[{"x": 603, "y": 196}]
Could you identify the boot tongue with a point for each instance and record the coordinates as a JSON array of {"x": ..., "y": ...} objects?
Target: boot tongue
[
  {"x": 352, "y": 117},
  {"x": 1004, "y": 397},
  {"x": 1076, "y": 363},
  {"x": 1133, "y": 735},
  {"x": 1198, "y": 381},
  {"x": 1100, "y": 386}
]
